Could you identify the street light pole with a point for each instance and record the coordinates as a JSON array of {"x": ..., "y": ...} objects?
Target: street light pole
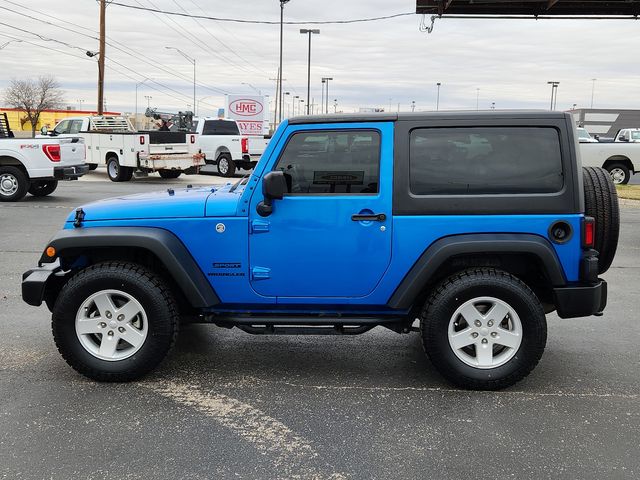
[
  {"x": 10, "y": 41},
  {"x": 593, "y": 88},
  {"x": 438, "y": 97},
  {"x": 326, "y": 97},
  {"x": 282, "y": 3},
  {"x": 477, "y": 99},
  {"x": 135, "y": 118},
  {"x": 192, "y": 60},
  {"x": 309, "y": 32},
  {"x": 249, "y": 85},
  {"x": 554, "y": 93}
]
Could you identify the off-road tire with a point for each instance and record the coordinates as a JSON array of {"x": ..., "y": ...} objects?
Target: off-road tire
[
  {"x": 42, "y": 188},
  {"x": 19, "y": 179},
  {"x": 601, "y": 203},
  {"x": 168, "y": 174},
  {"x": 147, "y": 288},
  {"x": 622, "y": 168},
  {"x": 226, "y": 166},
  {"x": 116, "y": 172},
  {"x": 482, "y": 282}
]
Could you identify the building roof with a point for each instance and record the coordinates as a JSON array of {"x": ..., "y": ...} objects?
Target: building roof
[{"x": 529, "y": 7}]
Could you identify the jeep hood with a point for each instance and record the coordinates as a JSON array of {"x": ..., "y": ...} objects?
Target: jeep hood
[{"x": 170, "y": 203}]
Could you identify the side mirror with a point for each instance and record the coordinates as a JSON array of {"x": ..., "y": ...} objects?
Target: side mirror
[
  {"x": 274, "y": 186},
  {"x": 44, "y": 130}
]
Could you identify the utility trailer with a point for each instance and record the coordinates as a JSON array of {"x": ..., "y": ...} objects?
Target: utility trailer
[{"x": 112, "y": 141}]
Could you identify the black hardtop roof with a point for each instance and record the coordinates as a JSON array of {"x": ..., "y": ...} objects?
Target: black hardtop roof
[{"x": 419, "y": 116}]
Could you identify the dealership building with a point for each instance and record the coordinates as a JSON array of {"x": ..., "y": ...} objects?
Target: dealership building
[{"x": 606, "y": 122}]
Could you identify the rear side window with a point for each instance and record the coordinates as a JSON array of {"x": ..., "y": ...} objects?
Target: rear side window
[
  {"x": 220, "y": 127},
  {"x": 485, "y": 160},
  {"x": 332, "y": 162}
]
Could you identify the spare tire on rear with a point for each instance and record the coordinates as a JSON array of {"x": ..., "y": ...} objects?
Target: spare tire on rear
[{"x": 601, "y": 203}]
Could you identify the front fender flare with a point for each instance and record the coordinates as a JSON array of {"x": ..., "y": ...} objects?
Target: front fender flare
[{"x": 163, "y": 244}]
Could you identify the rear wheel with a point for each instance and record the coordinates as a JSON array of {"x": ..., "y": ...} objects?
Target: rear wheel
[
  {"x": 114, "y": 321},
  {"x": 170, "y": 173},
  {"x": 14, "y": 184},
  {"x": 116, "y": 172},
  {"x": 601, "y": 203},
  {"x": 42, "y": 188},
  {"x": 226, "y": 166},
  {"x": 483, "y": 329},
  {"x": 620, "y": 173}
]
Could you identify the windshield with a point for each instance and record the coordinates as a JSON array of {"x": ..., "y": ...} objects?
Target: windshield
[{"x": 582, "y": 133}]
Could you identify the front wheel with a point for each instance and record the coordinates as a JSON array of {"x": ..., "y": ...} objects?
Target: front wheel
[
  {"x": 620, "y": 173},
  {"x": 114, "y": 322},
  {"x": 42, "y": 188},
  {"x": 226, "y": 166},
  {"x": 483, "y": 329}
]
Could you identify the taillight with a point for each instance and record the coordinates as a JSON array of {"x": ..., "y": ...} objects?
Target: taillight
[
  {"x": 141, "y": 139},
  {"x": 245, "y": 145},
  {"x": 193, "y": 139},
  {"x": 52, "y": 152},
  {"x": 588, "y": 232}
]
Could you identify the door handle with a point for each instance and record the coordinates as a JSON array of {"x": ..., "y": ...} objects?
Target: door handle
[{"x": 372, "y": 217}]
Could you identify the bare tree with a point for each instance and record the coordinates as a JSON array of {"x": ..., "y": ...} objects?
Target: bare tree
[{"x": 34, "y": 96}]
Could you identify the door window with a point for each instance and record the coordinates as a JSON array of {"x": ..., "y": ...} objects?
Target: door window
[
  {"x": 332, "y": 162},
  {"x": 62, "y": 128}
]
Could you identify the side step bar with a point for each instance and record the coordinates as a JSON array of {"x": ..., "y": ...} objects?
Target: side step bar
[{"x": 309, "y": 325}]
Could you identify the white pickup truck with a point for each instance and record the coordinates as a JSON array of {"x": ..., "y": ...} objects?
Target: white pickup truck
[
  {"x": 112, "y": 141},
  {"x": 35, "y": 165},
  {"x": 222, "y": 144},
  {"x": 618, "y": 158}
]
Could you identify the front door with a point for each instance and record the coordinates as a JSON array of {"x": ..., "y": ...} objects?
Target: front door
[{"x": 312, "y": 245}]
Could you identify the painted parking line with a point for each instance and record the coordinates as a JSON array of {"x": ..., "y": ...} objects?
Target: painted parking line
[{"x": 292, "y": 455}]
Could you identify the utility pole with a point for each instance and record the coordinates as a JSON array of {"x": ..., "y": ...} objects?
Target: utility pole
[
  {"x": 593, "y": 88},
  {"x": 477, "y": 99},
  {"x": 438, "y": 97},
  {"x": 103, "y": 12}
]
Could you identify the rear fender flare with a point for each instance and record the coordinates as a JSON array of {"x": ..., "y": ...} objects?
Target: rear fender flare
[{"x": 445, "y": 248}]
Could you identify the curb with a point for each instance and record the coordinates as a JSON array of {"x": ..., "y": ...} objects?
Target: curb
[{"x": 628, "y": 202}]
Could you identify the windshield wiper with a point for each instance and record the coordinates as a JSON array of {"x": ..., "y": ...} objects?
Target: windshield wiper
[{"x": 239, "y": 182}]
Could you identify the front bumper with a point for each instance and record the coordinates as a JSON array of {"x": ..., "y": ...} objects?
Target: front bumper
[
  {"x": 581, "y": 300},
  {"x": 70, "y": 173},
  {"x": 34, "y": 282}
]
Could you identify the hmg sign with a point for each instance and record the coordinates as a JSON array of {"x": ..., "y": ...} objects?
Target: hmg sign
[
  {"x": 250, "y": 112},
  {"x": 246, "y": 107}
]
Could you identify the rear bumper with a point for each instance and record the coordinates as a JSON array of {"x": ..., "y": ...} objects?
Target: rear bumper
[
  {"x": 70, "y": 173},
  {"x": 581, "y": 300},
  {"x": 34, "y": 282}
]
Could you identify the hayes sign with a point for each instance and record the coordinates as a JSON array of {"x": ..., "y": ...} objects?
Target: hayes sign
[{"x": 250, "y": 113}]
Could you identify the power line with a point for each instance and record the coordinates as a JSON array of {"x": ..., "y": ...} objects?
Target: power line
[
  {"x": 263, "y": 22},
  {"x": 48, "y": 39},
  {"x": 124, "y": 50}
]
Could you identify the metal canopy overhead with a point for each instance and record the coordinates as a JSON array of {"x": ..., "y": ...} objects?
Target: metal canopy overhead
[{"x": 529, "y": 7}]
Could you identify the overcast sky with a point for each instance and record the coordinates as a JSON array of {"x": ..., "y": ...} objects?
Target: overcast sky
[{"x": 373, "y": 64}]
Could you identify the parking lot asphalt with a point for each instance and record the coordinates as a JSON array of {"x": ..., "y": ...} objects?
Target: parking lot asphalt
[{"x": 226, "y": 404}]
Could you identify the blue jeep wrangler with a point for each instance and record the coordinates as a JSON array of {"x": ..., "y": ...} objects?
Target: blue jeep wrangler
[{"x": 474, "y": 224}]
